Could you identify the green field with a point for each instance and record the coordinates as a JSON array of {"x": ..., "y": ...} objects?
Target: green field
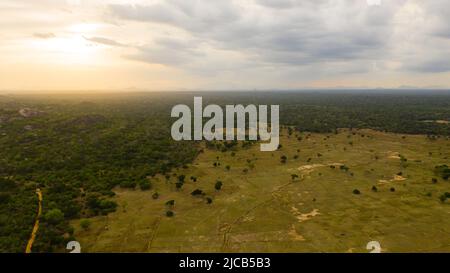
[{"x": 266, "y": 210}]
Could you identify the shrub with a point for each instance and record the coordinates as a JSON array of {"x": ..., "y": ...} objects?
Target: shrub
[
  {"x": 170, "y": 203},
  {"x": 197, "y": 192},
  {"x": 443, "y": 171},
  {"x": 85, "y": 224},
  {"x": 145, "y": 185},
  {"x": 170, "y": 213},
  {"x": 179, "y": 185},
  {"x": 218, "y": 185},
  {"x": 443, "y": 197},
  {"x": 107, "y": 206},
  {"x": 356, "y": 191},
  {"x": 130, "y": 184},
  {"x": 54, "y": 216}
]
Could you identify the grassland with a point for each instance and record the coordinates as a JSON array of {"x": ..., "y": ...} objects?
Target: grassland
[{"x": 266, "y": 210}]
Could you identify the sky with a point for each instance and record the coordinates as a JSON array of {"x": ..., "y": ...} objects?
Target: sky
[{"x": 223, "y": 44}]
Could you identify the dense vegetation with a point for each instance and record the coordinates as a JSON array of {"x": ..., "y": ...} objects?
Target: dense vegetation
[
  {"x": 77, "y": 148},
  {"x": 76, "y": 152}
]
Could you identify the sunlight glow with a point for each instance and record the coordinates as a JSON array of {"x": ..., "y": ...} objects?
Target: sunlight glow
[{"x": 68, "y": 50}]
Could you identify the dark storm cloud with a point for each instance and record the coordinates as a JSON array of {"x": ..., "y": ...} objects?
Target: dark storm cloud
[
  {"x": 168, "y": 51},
  {"x": 289, "y": 32},
  {"x": 432, "y": 66}
]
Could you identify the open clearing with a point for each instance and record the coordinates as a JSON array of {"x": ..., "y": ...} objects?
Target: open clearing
[{"x": 265, "y": 210}]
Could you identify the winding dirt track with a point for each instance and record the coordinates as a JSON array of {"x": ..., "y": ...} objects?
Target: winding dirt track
[{"x": 36, "y": 223}]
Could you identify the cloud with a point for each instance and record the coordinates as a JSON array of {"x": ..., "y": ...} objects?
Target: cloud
[
  {"x": 104, "y": 41},
  {"x": 296, "y": 36},
  {"x": 46, "y": 35},
  {"x": 260, "y": 42}
]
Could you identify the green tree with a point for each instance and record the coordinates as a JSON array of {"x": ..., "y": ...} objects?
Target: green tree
[
  {"x": 85, "y": 224},
  {"x": 145, "y": 185},
  {"x": 54, "y": 216},
  {"x": 170, "y": 213},
  {"x": 155, "y": 195},
  {"x": 218, "y": 185}
]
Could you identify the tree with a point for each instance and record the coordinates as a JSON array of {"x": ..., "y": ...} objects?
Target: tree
[
  {"x": 128, "y": 183},
  {"x": 179, "y": 185},
  {"x": 283, "y": 159},
  {"x": 374, "y": 189},
  {"x": 197, "y": 192},
  {"x": 443, "y": 171},
  {"x": 356, "y": 191},
  {"x": 227, "y": 167},
  {"x": 444, "y": 197},
  {"x": 294, "y": 176},
  {"x": 170, "y": 203},
  {"x": 218, "y": 185},
  {"x": 208, "y": 200},
  {"x": 107, "y": 206},
  {"x": 85, "y": 224},
  {"x": 145, "y": 185},
  {"x": 155, "y": 195},
  {"x": 169, "y": 213},
  {"x": 54, "y": 216}
]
